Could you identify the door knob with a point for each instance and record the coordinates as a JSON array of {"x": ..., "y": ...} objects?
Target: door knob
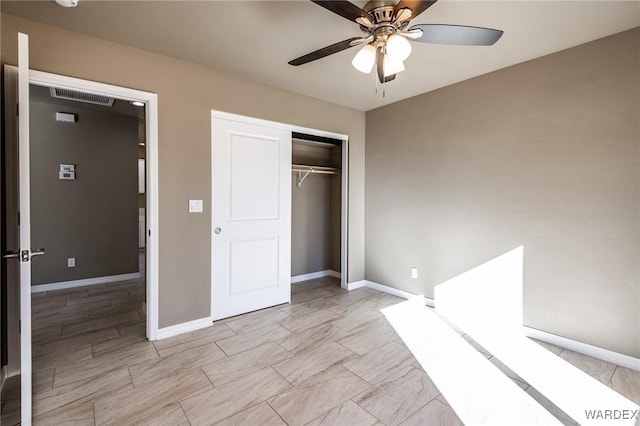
[
  {"x": 217, "y": 230},
  {"x": 37, "y": 252},
  {"x": 23, "y": 255},
  {"x": 12, "y": 255}
]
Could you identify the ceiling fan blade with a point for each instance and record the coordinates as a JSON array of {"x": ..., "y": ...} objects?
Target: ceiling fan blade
[
  {"x": 326, "y": 51},
  {"x": 345, "y": 9},
  {"x": 457, "y": 34},
  {"x": 416, "y": 6}
]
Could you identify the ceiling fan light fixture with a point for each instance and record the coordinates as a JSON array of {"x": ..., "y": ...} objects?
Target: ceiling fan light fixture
[
  {"x": 365, "y": 59},
  {"x": 67, "y": 3},
  {"x": 398, "y": 47},
  {"x": 392, "y": 65}
]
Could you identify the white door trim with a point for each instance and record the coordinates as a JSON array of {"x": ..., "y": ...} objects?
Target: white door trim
[
  {"x": 151, "y": 121},
  {"x": 24, "y": 214},
  {"x": 344, "y": 265}
]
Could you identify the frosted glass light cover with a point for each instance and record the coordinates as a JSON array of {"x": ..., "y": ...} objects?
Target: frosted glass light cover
[
  {"x": 364, "y": 59},
  {"x": 398, "y": 47},
  {"x": 392, "y": 66}
]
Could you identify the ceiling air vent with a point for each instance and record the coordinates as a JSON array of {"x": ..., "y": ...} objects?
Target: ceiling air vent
[{"x": 71, "y": 95}]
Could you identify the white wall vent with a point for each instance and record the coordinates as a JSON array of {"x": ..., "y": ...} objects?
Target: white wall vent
[{"x": 57, "y": 92}]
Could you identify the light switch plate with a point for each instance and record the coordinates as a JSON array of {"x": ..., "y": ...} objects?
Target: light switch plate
[{"x": 195, "y": 206}]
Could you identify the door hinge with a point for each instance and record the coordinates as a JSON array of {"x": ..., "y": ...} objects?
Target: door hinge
[
  {"x": 19, "y": 326},
  {"x": 18, "y": 109}
]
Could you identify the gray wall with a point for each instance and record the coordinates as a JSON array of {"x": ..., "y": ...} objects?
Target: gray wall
[
  {"x": 545, "y": 154},
  {"x": 187, "y": 93},
  {"x": 95, "y": 217},
  {"x": 315, "y": 213}
]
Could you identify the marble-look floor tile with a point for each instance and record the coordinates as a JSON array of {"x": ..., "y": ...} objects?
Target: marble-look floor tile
[
  {"x": 434, "y": 413},
  {"x": 134, "y": 405},
  {"x": 301, "y": 323},
  {"x": 381, "y": 364},
  {"x": 176, "y": 364},
  {"x": 135, "y": 328},
  {"x": 242, "y": 342},
  {"x": 317, "y": 395},
  {"x": 170, "y": 415},
  {"x": 596, "y": 368},
  {"x": 627, "y": 383},
  {"x": 348, "y": 413},
  {"x": 46, "y": 335},
  {"x": 54, "y": 353},
  {"x": 54, "y": 312},
  {"x": 261, "y": 414},
  {"x": 350, "y": 297},
  {"x": 311, "y": 337},
  {"x": 477, "y": 346},
  {"x": 302, "y": 309},
  {"x": 506, "y": 370},
  {"x": 61, "y": 319},
  {"x": 79, "y": 391},
  {"x": 366, "y": 339},
  {"x": 313, "y": 361},
  {"x": 305, "y": 296},
  {"x": 247, "y": 362},
  {"x": 118, "y": 343},
  {"x": 96, "y": 298},
  {"x": 256, "y": 320},
  {"x": 551, "y": 407},
  {"x": 224, "y": 401},
  {"x": 193, "y": 339},
  {"x": 397, "y": 399},
  {"x": 360, "y": 319},
  {"x": 76, "y": 413},
  {"x": 100, "y": 323},
  {"x": 42, "y": 380},
  {"x": 106, "y": 361},
  {"x": 44, "y": 304},
  {"x": 548, "y": 346}
]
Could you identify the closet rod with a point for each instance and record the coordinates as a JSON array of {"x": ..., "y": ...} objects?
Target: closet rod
[{"x": 307, "y": 170}]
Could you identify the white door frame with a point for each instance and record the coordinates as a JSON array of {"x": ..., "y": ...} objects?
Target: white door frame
[
  {"x": 40, "y": 78},
  {"x": 345, "y": 178}
]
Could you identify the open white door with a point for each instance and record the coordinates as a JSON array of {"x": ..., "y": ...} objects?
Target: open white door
[
  {"x": 251, "y": 216},
  {"x": 23, "y": 252}
]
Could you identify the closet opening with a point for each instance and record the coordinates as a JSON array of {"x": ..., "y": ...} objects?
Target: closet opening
[{"x": 318, "y": 213}]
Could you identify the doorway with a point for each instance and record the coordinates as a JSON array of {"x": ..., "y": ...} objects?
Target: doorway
[{"x": 19, "y": 291}]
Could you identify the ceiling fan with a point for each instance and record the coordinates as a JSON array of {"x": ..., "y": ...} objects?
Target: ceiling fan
[{"x": 387, "y": 35}]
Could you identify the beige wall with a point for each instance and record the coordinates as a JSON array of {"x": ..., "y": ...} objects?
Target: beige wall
[
  {"x": 94, "y": 218},
  {"x": 545, "y": 154},
  {"x": 186, "y": 94}
]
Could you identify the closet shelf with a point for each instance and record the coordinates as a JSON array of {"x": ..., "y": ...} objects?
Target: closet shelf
[{"x": 304, "y": 171}]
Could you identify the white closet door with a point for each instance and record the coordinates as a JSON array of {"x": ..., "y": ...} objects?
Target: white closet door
[{"x": 251, "y": 217}]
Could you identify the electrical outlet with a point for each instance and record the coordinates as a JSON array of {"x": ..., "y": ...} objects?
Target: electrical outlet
[
  {"x": 414, "y": 273},
  {"x": 71, "y": 262}
]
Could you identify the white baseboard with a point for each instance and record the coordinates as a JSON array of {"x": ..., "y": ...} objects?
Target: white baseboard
[
  {"x": 184, "y": 327},
  {"x": 563, "y": 342},
  {"x": 87, "y": 281},
  {"x": 314, "y": 275},
  {"x": 396, "y": 292},
  {"x": 584, "y": 348},
  {"x": 356, "y": 284}
]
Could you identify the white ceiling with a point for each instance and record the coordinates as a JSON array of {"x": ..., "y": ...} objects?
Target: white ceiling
[{"x": 256, "y": 39}]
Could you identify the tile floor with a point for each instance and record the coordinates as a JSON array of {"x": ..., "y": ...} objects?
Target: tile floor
[{"x": 329, "y": 357}]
